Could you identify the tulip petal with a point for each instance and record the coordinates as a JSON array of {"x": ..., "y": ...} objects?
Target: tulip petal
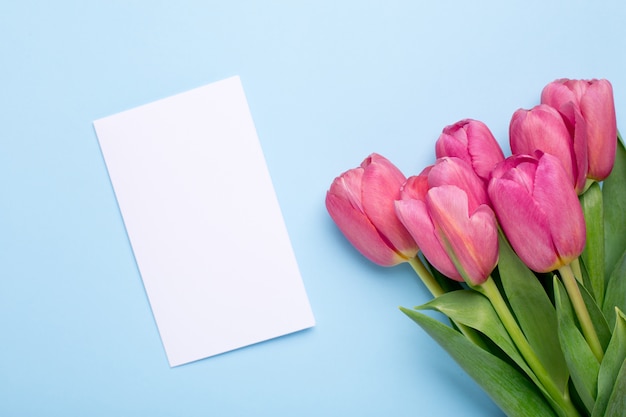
[
  {"x": 348, "y": 187},
  {"x": 415, "y": 187},
  {"x": 380, "y": 188},
  {"x": 518, "y": 168},
  {"x": 561, "y": 210},
  {"x": 474, "y": 240},
  {"x": 556, "y": 94},
  {"x": 524, "y": 224},
  {"x": 598, "y": 109},
  {"x": 578, "y": 87},
  {"x": 581, "y": 151},
  {"x": 414, "y": 215},
  {"x": 543, "y": 128},
  {"x": 455, "y": 171},
  {"x": 452, "y": 145},
  {"x": 359, "y": 231},
  {"x": 472, "y": 141},
  {"x": 483, "y": 149},
  {"x": 594, "y": 99}
]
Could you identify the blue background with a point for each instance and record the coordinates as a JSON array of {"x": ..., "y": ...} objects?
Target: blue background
[{"x": 328, "y": 83}]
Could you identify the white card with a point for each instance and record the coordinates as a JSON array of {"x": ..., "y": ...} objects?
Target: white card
[{"x": 204, "y": 222}]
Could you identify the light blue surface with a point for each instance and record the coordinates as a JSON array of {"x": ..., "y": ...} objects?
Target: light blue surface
[{"x": 327, "y": 83}]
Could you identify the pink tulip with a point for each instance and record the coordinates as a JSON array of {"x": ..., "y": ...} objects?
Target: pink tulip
[
  {"x": 455, "y": 171},
  {"x": 445, "y": 209},
  {"x": 473, "y": 142},
  {"x": 361, "y": 202},
  {"x": 594, "y": 100},
  {"x": 538, "y": 210},
  {"x": 543, "y": 128}
]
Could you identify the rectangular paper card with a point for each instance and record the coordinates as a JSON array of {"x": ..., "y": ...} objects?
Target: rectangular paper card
[{"x": 204, "y": 222}]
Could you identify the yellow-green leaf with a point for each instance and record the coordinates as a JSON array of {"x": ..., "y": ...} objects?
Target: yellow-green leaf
[
  {"x": 534, "y": 312},
  {"x": 614, "y": 197},
  {"x": 593, "y": 255},
  {"x": 616, "y": 291},
  {"x": 617, "y": 402},
  {"x": 474, "y": 310},
  {"x": 608, "y": 376},
  {"x": 507, "y": 387},
  {"x": 581, "y": 361}
]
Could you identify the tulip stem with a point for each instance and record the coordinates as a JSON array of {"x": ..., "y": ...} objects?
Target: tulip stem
[
  {"x": 578, "y": 273},
  {"x": 582, "y": 313},
  {"x": 426, "y": 277},
  {"x": 491, "y": 291},
  {"x": 435, "y": 289}
]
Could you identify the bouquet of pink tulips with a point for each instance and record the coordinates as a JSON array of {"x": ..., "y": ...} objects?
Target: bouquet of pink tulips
[{"x": 525, "y": 255}]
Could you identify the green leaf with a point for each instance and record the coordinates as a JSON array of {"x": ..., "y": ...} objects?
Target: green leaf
[
  {"x": 534, "y": 312},
  {"x": 616, "y": 291},
  {"x": 581, "y": 361},
  {"x": 617, "y": 402},
  {"x": 608, "y": 376},
  {"x": 597, "y": 317},
  {"x": 508, "y": 388},
  {"x": 475, "y": 310},
  {"x": 593, "y": 255},
  {"x": 614, "y": 196}
]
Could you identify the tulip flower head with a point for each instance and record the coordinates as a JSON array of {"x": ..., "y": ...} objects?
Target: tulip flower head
[
  {"x": 473, "y": 142},
  {"x": 538, "y": 210},
  {"x": 361, "y": 202},
  {"x": 593, "y": 100},
  {"x": 543, "y": 128},
  {"x": 445, "y": 209}
]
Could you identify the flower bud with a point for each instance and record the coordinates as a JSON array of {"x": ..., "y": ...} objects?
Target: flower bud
[
  {"x": 473, "y": 142},
  {"x": 543, "y": 128},
  {"x": 538, "y": 210},
  {"x": 593, "y": 99},
  {"x": 361, "y": 202},
  {"x": 445, "y": 210}
]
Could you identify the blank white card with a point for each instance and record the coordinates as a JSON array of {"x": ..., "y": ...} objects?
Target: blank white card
[{"x": 204, "y": 222}]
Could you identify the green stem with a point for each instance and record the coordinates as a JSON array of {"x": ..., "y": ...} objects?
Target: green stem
[
  {"x": 436, "y": 290},
  {"x": 426, "y": 277},
  {"x": 578, "y": 273},
  {"x": 582, "y": 313},
  {"x": 491, "y": 291}
]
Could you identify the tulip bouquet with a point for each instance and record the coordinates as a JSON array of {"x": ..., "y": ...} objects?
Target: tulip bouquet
[{"x": 525, "y": 255}]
